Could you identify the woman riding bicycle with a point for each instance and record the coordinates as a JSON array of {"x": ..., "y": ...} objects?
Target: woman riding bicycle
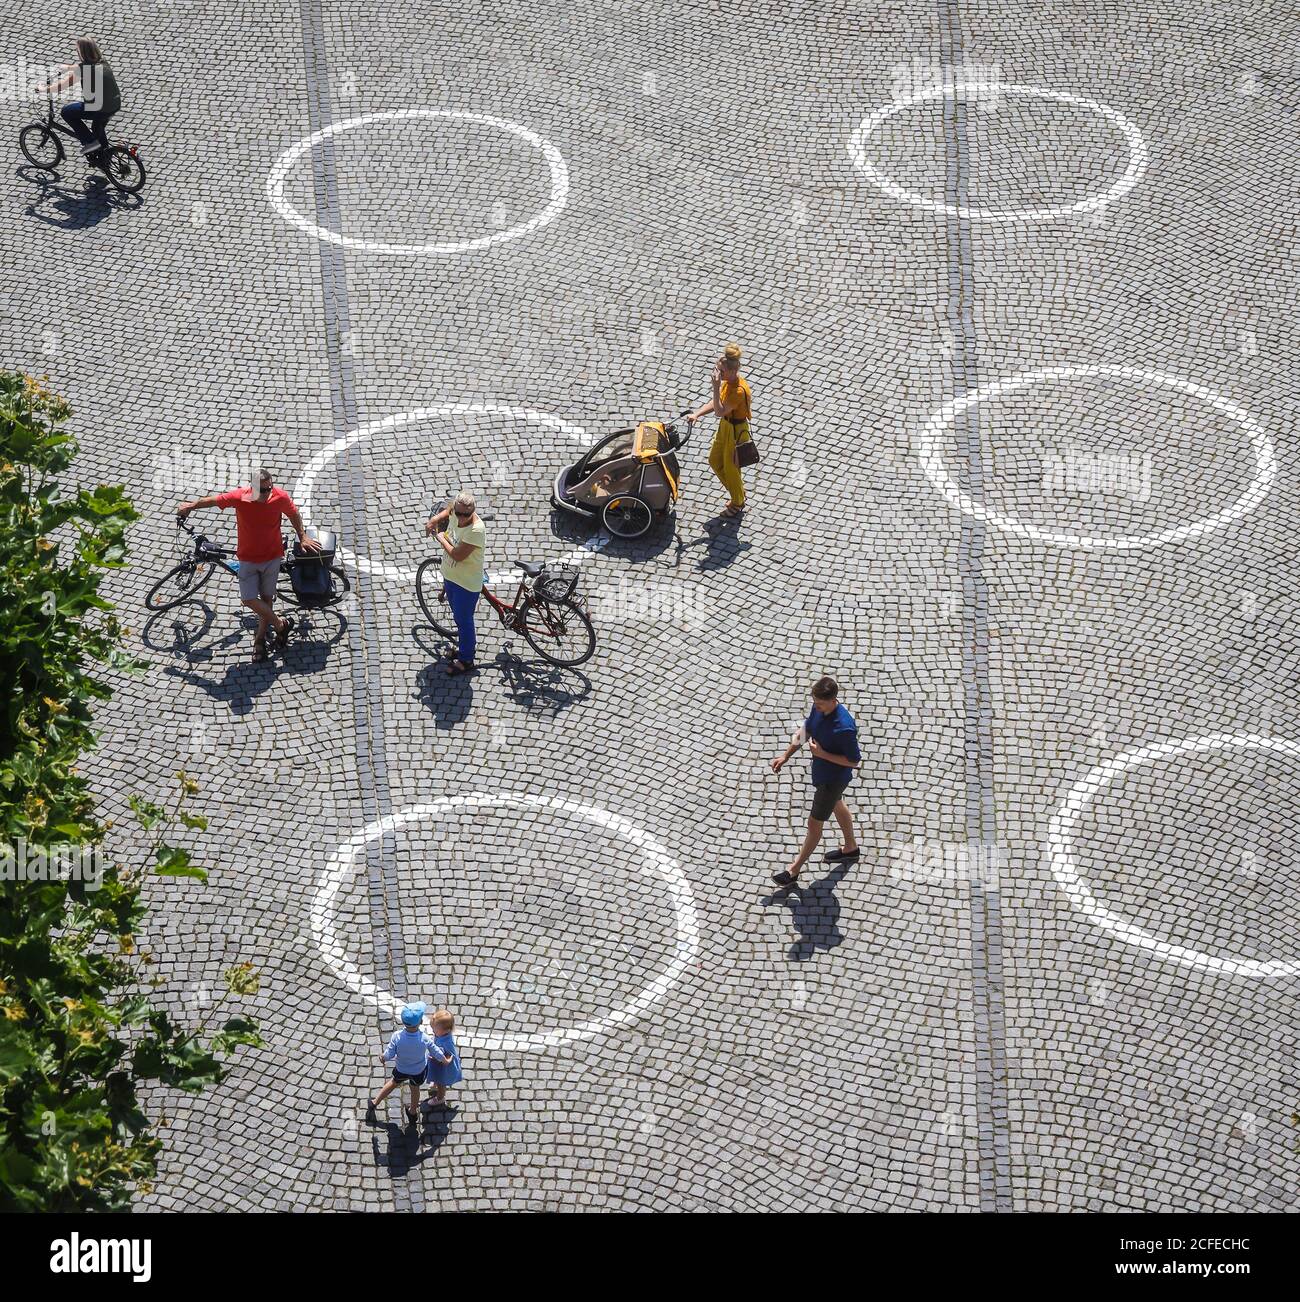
[{"x": 100, "y": 98}]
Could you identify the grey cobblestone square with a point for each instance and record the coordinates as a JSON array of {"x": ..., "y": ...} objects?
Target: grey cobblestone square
[{"x": 1016, "y": 289}]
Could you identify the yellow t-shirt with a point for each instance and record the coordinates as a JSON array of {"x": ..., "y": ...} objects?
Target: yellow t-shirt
[
  {"x": 735, "y": 399},
  {"x": 468, "y": 573}
]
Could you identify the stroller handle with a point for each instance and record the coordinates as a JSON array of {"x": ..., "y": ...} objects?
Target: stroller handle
[{"x": 671, "y": 427}]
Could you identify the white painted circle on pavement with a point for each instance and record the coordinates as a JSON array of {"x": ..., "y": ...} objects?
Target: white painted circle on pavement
[
  {"x": 303, "y": 489},
  {"x": 931, "y": 435},
  {"x": 1061, "y": 859},
  {"x": 559, "y": 195},
  {"x": 1133, "y": 172},
  {"x": 343, "y": 865}
]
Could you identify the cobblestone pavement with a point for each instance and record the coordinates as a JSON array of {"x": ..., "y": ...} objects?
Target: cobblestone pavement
[{"x": 1061, "y": 976}]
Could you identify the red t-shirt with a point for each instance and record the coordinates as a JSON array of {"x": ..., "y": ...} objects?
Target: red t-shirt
[{"x": 257, "y": 532}]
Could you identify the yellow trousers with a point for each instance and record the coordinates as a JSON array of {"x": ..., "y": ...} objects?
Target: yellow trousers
[{"x": 722, "y": 457}]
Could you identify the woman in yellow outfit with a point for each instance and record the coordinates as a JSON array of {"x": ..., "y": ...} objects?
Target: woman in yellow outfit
[{"x": 730, "y": 403}]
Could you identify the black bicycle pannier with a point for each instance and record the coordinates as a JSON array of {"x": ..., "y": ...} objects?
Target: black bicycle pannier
[{"x": 309, "y": 572}]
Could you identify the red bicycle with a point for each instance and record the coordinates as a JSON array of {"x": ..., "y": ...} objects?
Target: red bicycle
[{"x": 546, "y": 611}]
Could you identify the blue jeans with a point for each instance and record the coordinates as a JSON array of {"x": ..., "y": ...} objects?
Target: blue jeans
[
  {"x": 88, "y": 127},
  {"x": 463, "y": 602}
]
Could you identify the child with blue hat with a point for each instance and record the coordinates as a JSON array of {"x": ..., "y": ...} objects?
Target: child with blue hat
[{"x": 408, "y": 1051}]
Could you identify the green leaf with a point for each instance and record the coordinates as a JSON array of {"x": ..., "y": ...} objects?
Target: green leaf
[
  {"x": 147, "y": 813},
  {"x": 172, "y": 861}
]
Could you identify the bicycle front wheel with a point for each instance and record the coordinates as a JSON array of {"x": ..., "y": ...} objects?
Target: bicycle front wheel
[
  {"x": 559, "y": 631},
  {"x": 41, "y": 147},
  {"x": 124, "y": 169},
  {"x": 177, "y": 584},
  {"x": 428, "y": 588}
]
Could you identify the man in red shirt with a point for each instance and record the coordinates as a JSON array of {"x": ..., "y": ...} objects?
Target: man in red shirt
[{"x": 259, "y": 548}]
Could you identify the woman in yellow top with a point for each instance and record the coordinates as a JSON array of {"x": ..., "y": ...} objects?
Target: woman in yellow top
[
  {"x": 458, "y": 530},
  {"x": 730, "y": 403}
]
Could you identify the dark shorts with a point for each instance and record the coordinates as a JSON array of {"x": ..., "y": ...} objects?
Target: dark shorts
[
  {"x": 825, "y": 798},
  {"x": 405, "y": 1078}
]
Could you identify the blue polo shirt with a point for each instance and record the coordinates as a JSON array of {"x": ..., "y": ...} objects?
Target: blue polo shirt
[{"x": 835, "y": 732}]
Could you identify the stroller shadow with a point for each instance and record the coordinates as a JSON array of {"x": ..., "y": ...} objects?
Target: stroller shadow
[
  {"x": 720, "y": 541},
  {"x": 408, "y": 1146},
  {"x": 592, "y": 536},
  {"x": 79, "y": 208},
  {"x": 815, "y": 912}
]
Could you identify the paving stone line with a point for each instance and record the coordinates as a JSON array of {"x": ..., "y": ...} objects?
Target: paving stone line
[
  {"x": 986, "y": 924},
  {"x": 367, "y": 688}
]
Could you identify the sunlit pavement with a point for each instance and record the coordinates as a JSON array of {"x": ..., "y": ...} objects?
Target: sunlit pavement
[{"x": 1016, "y": 293}]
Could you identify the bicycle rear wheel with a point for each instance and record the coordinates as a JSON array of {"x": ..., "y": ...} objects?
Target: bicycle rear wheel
[
  {"x": 428, "y": 588},
  {"x": 41, "y": 147},
  {"x": 124, "y": 169},
  {"x": 559, "y": 631},
  {"x": 178, "y": 583},
  {"x": 340, "y": 586}
]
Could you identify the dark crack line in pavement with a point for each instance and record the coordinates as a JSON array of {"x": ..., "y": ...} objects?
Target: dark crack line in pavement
[
  {"x": 367, "y": 689},
  {"x": 980, "y": 822}
]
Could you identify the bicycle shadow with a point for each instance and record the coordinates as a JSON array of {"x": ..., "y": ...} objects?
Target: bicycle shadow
[
  {"x": 535, "y": 684},
  {"x": 814, "y": 911},
  {"x": 244, "y": 680},
  {"x": 80, "y": 208}
]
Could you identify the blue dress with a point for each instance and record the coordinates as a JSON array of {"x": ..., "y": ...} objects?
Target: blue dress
[{"x": 444, "y": 1073}]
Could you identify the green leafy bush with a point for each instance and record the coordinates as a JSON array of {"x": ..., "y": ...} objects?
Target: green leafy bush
[{"x": 78, "y": 1026}]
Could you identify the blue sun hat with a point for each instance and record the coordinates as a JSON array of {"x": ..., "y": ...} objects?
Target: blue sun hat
[{"x": 413, "y": 1014}]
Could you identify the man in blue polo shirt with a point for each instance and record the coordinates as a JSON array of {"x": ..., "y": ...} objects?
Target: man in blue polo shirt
[{"x": 832, "y": 737}]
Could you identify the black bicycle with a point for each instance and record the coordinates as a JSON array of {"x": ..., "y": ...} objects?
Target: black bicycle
[
  {"x": 41, "y": 146},
  {"x": 202, "y": 557}
]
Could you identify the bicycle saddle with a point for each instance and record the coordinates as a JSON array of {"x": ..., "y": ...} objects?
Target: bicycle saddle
[{"x": 531, "y": 570}]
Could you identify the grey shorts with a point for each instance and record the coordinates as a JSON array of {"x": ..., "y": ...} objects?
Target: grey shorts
[{"x": 257, "y": 579}]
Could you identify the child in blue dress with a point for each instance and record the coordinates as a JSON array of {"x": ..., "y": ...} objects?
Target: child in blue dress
[{"x": 444, "y": 1057}]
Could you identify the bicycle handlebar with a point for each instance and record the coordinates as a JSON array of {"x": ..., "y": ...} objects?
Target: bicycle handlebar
[{"x": 201, "y": 540}]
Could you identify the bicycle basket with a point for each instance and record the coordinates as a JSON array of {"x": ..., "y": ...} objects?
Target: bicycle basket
[{"x": 556, "y": 585}]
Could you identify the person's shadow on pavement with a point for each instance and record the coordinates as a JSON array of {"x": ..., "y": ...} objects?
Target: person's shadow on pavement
[
  {"x": 448, "y": 697},
  {"x": 814, "y": 910},
  {"x": 409, "y": 1145},
  {"x": 721, "y": 542},
  {"x": 79, "y": 207}
]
